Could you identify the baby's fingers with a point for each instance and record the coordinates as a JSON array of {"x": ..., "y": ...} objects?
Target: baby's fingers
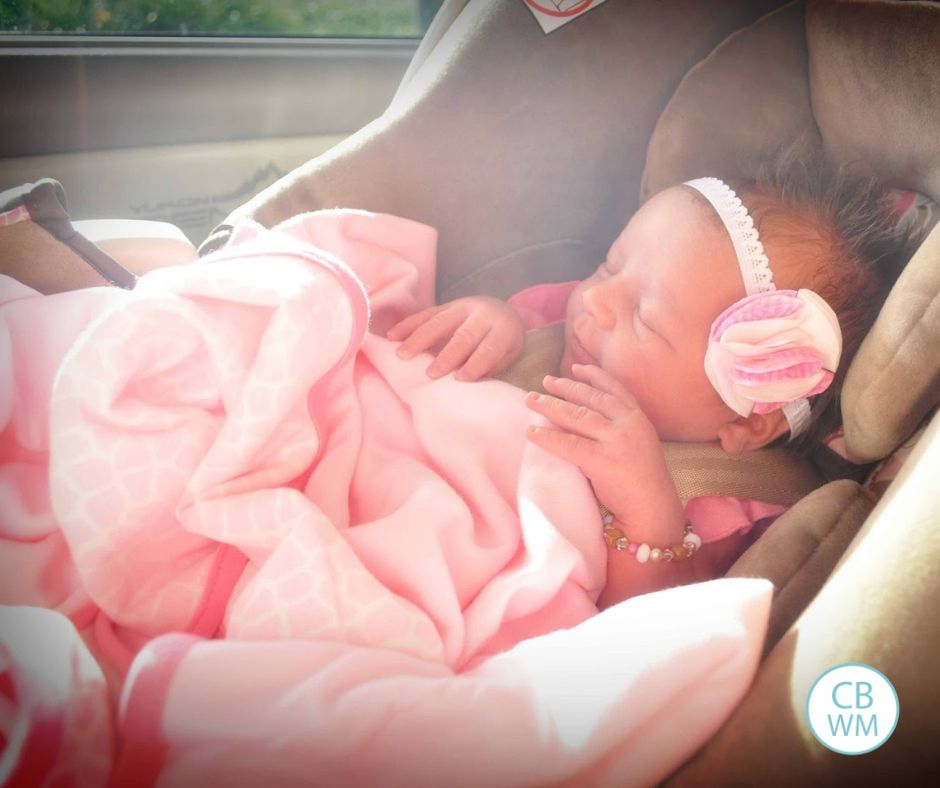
[
  {"x": 576, "y": 449},
  {"x": 585, "y": 395},
  {"x": 604, "y": 381},
  {"x": 406, "y": 325},
  {"x": 466, "y": 339},
  {"x": 492, "y": 353},
  {"x": 435, "y": 328},
  {"x": 578, "y": 419}
]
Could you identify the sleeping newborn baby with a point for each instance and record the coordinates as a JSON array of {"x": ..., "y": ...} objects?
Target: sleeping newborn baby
[{"x": 714, "y": 317}]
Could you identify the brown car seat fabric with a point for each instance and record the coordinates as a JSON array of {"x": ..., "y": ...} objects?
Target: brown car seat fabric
[
  {"x": 894, "y": 380},
  {"x": 737, "y": 106},
  {"x": 502, "y": 139},
  {"x": 800, "y": 550},
  {"x": 879, "y": 608},
  {"x": 875, "y": 93},
  {"x": 852, "y": 76},
  {"x": 875, "y": 83}
]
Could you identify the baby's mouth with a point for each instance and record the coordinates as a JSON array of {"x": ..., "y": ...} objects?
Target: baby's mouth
[{"x": 577, "y": 351}]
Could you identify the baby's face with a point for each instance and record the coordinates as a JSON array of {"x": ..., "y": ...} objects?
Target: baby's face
[{"x": 644, "y": 316}]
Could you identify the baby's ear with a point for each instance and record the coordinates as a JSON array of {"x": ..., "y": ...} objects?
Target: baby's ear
[{"x": 752, "y": 432}]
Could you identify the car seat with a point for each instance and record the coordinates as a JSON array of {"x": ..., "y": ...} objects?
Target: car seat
[{"x": 528, "y": 151}]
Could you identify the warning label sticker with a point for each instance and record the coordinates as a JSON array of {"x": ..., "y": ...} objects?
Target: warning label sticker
[{"x": 552, "y": 14}]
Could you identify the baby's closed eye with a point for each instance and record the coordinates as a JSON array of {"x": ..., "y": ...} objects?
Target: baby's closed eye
[
  {"x": 644, "y": 320},
  {"x": 651, "y": 325}
]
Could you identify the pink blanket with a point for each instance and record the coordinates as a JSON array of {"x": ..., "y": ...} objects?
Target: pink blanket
[{"x": 362, "y": 565}]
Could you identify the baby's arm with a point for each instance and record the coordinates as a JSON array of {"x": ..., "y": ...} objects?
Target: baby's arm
[
  {"x": 477, "y": 336},
  {"x": 597, "y": 425}
]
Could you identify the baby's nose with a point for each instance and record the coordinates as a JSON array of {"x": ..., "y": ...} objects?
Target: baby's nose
[{"x": 600, "y": 302}]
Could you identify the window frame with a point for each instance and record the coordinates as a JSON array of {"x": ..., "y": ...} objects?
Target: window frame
[{"x": 70, "y": 93}]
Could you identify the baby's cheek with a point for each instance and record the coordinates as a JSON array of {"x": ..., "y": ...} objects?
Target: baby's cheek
[{"x": 573, "y": 307}]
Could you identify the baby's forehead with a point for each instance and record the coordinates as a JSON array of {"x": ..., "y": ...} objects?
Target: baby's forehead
[
  {"x": 672, "y": 212},
  {"x": 682, "y": 198}
]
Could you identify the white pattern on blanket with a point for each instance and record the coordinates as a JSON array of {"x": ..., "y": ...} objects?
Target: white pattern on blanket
[{"x": 376, "y": 557}]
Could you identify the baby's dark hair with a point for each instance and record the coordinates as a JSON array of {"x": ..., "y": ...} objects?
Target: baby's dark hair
[{"x": 855, "y": 233}]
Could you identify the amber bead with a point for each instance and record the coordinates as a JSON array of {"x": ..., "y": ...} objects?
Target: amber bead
[{"x": 615, "y": 538}]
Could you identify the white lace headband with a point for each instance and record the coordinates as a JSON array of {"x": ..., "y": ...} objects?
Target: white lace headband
[{"x": 773, "y": 352}]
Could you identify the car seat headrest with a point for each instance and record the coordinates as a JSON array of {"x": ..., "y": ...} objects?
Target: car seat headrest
[
  {"x": 894, "y": 380},
  {"x": 521, "y": 148},
  {"x": 872, "y": 96},
  {"x": 736, "y": 106},
  {"x": 846, "y": 77}
]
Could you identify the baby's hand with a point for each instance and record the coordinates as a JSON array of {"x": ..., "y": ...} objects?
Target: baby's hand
[
  {"x": 598, "y": 426},
  {"x": 480, "y": 335}
]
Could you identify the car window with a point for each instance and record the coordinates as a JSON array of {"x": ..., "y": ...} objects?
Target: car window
[{"x": 316, "y": 18}]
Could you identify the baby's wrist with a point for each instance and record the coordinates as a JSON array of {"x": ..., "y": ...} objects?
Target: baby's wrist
[{"x": 618, "y": 536}]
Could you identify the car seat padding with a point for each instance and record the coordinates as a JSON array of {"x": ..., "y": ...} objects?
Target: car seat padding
[
  {"x": 877, "y": 608},
  {"x": 799, "y": 551},
  {"x": 507, "y": 138},
  {"x": 873, "y": 83},
  {"x": 894, "y": 380},
  {"x": 736, "y": 106}
]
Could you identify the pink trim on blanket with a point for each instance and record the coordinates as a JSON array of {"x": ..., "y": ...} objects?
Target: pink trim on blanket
[
  {"x": 84, "y": 616},
  {"x": 350, "y": 282},
  {"x": 144, "y": 749},
  {"x": 227, "y": 568},
  {"x": 37, "y": 754},
  {"x": 15, "y": 216},
  {"x": 111, "y": 646}
]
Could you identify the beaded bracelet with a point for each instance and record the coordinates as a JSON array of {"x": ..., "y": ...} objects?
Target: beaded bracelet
[{"x": 618, "y": 540}]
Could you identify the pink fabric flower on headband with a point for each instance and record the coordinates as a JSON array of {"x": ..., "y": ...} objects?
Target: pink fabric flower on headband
[{"x": 772, "y": 348}]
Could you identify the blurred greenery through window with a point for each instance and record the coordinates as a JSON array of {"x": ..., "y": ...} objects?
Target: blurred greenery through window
[{"x": 334, "y": 18}]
